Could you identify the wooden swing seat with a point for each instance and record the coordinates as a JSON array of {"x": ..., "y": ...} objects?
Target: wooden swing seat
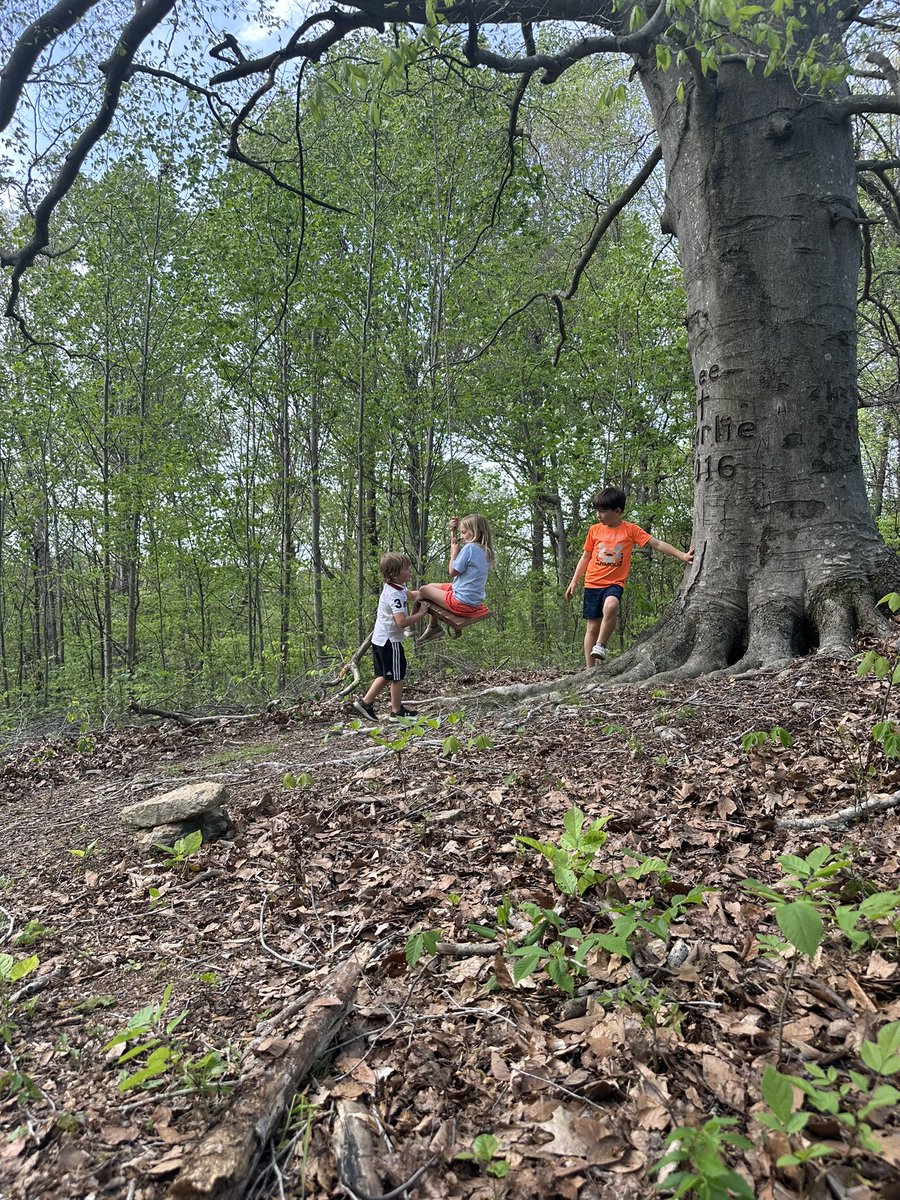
[{"x": 455, "y": 622}]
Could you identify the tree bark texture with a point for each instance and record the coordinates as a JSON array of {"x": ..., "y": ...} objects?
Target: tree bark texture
[
  {"x": 761, "y": 193},
  {"x": 219, "y": 1168}
]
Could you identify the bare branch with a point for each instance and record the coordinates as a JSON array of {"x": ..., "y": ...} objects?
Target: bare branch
[
  {"x": 342, "y": 24},
  {"x": 116, "y": 70},
  {"x": 841, "y": 110},
  {"x": 36, "y": 38},
  {"x": 553, "y": 65},
  {"x": 888, "y": 70},
  {"x": 603, "y": 223}
]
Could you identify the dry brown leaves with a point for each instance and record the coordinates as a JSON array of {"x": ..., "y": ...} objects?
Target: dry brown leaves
[{"x": 579, "y": 1092}]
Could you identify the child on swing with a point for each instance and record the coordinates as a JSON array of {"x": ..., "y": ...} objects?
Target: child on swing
[{"x": 469, "y": 566}]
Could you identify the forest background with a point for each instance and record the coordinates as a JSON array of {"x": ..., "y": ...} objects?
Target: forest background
[{"x": 236, "y": 401}]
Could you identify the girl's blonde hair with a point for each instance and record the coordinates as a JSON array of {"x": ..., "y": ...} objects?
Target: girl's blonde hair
[{"x": 481, "y": 533}]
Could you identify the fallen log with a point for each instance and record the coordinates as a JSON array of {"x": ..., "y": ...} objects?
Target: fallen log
[
  {"x": 355, "y": 1149},
  {"x": 188, "y": 722},
  {"x": 221, "y": 1165},
  {"x": 847, "y": 816}
]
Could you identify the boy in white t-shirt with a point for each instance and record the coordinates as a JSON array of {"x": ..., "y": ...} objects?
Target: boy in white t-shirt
[{"x": 387, "y": 636}]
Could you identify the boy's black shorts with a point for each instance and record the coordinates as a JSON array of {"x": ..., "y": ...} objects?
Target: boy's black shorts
[
  {"x": 390, "y": 660},
  {"x": 595, "y": 598}
]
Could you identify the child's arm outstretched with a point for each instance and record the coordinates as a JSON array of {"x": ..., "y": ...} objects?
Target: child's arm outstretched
[
  {"x": 405, "y": 620},
  {"x": 580, "y": 569},
  {"x": 685, "y": 556}
]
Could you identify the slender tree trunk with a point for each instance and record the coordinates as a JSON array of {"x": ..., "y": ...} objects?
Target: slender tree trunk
[
  {"x": 315, "y": 499},
  {"x": 364, "y": 494},
  {"x": 881, "y": 465},
  {"x": 4, "y": 659},
  {"x": 106, "y": 629}
]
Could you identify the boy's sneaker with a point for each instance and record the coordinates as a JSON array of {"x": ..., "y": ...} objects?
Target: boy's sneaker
[
  {"x": 599, "y": 651},
  {"x": 366, "y": 709},
  {"x": 402, "y": 712}
]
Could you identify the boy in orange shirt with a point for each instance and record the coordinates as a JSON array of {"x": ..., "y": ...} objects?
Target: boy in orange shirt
[{"x": 605, "y": 565}]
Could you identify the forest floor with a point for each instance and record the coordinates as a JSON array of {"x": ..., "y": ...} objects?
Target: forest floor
[{"x": 579, "y": 1081}]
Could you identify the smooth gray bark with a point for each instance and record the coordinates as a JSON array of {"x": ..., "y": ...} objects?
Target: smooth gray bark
[{"x": 761, "y": 194}]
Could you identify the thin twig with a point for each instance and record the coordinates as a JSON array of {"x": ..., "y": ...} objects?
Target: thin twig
[
  {"x": 293, "y": 962},
  {"x": 394, "y": 1192}
]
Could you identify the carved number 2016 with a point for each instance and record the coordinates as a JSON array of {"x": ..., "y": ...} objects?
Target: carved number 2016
[{"x": 705, "y": 468}]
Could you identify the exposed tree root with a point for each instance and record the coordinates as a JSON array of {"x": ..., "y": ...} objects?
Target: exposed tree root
[{"x": 704, "y": 636}]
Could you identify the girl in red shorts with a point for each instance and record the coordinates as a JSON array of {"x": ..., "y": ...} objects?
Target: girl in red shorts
[{"x": 469, "y": 566}]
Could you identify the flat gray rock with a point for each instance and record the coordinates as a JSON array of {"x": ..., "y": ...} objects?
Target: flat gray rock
[
  {"x": 169, "y": 808},
  {"x": 212, "y": 825}
]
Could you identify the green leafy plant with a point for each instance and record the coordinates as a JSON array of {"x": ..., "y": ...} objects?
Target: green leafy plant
[
  {"x": 19, "y": 1087},
  {"x": 302, "y": 781},
  {"x": 801, "y": 920},
  {"x": 407, "y": 732},
  {"x": 182, "y": 850},
  {"x": 885, "y": 732},
  {"x": 861, "y": 923},
  {"x": 571, "y": 859},
  {"x": 12, "y": 971},
  {"x": 423, "y": 941},
  {"x": 149, "y": 1032},
  {"x": 206, "y": 1072},
  {"x": 484, "y": 1152},
  {"x": 559, "y": 963},
  {"x": 31, "y": 934},
  {"x": 760, "y": 739},
  {"x": 703, "y": 1172},
  {"x": 850, "y": 1098},
  {"x": 88, "y": 852}
]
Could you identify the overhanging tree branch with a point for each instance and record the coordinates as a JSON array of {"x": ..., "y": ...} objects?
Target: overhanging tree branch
[
  {"x": 553, "y": 65},
  {"x": 116, "y": 71},
  {"x": 342, "y": 24},
  {"x": 841, "y": 110},
  {"x": 36, "y": 38}
]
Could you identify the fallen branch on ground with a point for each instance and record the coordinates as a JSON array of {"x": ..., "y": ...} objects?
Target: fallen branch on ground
[
  {"x": 466, "y": 949},
  {"x": 220, "y": 1165},
  {"x": 187, "y": 722},
  {"x": 355, "y": 1149},
  {"x": 352, "y": 665},
  {"x": 847, "y": 816}
]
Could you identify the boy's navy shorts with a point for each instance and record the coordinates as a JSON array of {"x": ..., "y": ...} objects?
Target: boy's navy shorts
[
  {"x": 595, "y": 598},
  {"x": 390, "y": 660}
]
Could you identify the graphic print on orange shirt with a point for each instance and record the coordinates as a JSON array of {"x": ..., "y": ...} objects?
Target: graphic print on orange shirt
[{"x": 610, "y": 550}]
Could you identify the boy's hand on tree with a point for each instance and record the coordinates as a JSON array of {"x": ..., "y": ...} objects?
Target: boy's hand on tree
[{"x": 689, "y": 556}]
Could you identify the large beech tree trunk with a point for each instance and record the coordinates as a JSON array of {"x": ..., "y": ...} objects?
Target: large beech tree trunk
[{"x": 761, "y": 194}]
